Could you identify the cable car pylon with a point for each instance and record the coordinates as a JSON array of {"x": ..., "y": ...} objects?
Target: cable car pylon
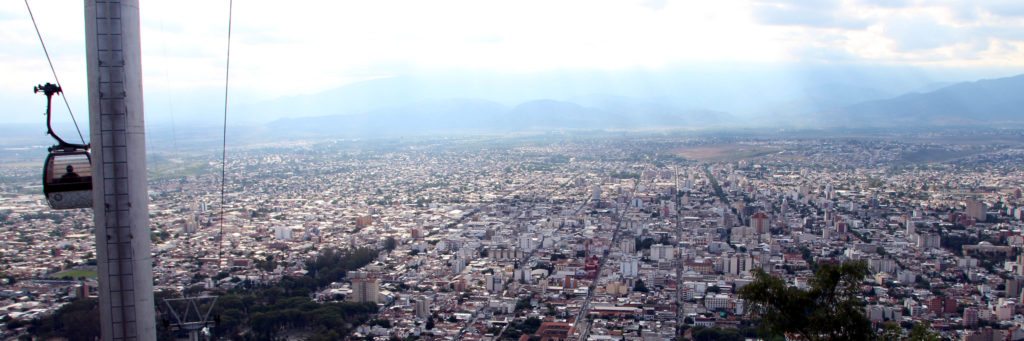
[{"x": 117, "y": 131}]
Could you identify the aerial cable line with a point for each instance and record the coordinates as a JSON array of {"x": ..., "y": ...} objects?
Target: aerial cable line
[
  {"x": 224, "y": 135},
  {"x": 54, "y": 70}
]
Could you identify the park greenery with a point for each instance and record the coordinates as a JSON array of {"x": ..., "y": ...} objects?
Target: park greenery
[
  {"x": 829, "y": 309},
  {"x": 250, "y": 311}
]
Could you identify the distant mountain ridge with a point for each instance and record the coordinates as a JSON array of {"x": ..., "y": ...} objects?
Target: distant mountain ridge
[
  {"x": 990, "y": 101},
  {"x": 982, "y": 102},
  {"x": 481, "y": 116},
  {"x": 744, "y": 91},
  {"x": 406, "y": 106}
]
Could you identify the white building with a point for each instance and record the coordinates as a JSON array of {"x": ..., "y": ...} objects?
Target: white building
[
  {"x": 717, "y": 302},
  {"x": 661, "y": 252},
  {"x": 629, "y": 267},
  {"x": 283, "y": 232},
  {"x": 494, "y": 283}
]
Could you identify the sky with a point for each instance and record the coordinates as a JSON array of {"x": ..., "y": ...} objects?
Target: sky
[{"x": 293, "y": 48}]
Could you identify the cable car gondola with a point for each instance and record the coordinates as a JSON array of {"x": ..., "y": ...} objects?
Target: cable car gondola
[{"x": 67, "y": 172}]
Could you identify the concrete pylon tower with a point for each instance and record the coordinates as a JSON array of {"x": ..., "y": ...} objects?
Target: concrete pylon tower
[{"x": 120, "y": 199}]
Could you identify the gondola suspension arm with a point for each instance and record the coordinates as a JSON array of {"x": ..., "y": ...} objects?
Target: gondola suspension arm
[{"x": 49, "y": 90}]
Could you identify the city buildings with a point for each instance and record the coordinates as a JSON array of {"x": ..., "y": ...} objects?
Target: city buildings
[{"x": 638, "y": 237}]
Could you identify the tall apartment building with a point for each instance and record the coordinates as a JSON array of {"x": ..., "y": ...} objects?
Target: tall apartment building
[{"x": 365, "y": 287}]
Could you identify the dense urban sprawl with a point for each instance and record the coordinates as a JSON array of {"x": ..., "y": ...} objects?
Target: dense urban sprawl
[{"x": 565, "y": 237}]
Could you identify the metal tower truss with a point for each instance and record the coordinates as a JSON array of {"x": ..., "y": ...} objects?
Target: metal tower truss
[{"x": 191, "y": 314}]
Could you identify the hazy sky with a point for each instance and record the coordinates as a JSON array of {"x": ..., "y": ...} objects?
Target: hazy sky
[{"x": 283, "y": 48}]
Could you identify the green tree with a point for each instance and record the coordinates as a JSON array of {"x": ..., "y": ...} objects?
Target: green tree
[
  {"x": 523, "y": 303},
  {"x": 268, "y": 264},
  {"x": 430, "y": 323},
  {"x": 331, "y": 264},
  {"x": 639, "y": 286},
  {"x": 892, "y": 332},
  {"x": 530, "y": 325},
  {"x": 383, "y": 323},
  {"x": 390, "y": 243},
  {"x": 78, "y": 320},
  {"x": 922, "y": 331},
  {"x": 828, "y": 310}
]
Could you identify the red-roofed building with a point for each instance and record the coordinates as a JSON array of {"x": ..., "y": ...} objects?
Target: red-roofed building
[{"x": 554, "y": 331}]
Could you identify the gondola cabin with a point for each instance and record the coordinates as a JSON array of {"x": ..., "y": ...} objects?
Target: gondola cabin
[{"x": 67, "y": 179}]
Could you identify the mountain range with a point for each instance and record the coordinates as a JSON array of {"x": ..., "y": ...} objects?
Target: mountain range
[
  {"x": 483, "y": 116},
  {"x": 362, "y": 110},
  {"x": 409, "y": 106},
  {"x": 984, "y": 102}
]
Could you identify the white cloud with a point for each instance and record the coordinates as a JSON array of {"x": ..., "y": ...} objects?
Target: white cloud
[
  {"x": 288, "y": 48},
  {"x": 816, "y": 14}
]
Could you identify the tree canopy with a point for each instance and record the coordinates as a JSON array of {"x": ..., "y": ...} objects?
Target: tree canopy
[
  {"x": 249, "y": 312},
  {"x": 331, "y": 264},
  {"x": 828, "y": 310}
]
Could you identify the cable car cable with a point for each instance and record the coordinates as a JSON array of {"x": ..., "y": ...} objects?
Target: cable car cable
[
  {"x": 54, "y": 70},
  {"x": 224, "y": 140}
]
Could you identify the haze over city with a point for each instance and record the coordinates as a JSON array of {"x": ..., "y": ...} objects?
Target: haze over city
[{"x": 747, "y": 59}]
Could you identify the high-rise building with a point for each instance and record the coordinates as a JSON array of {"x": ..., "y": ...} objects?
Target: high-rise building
[
  {"x": 929, "y": 240},
  {"x": 1013, "y": 286},
  {"x": 976, "y": 209},
  {"x": 527, "y": 241},
  {"x": 1020, "y": 265},
  {"x": 458, "y": 264},
  {"x": 661, "y": 252},
  {"x": 759, "y": 222},
  {"x": 736, "y": 264},
  {"x": 364, "y": 221},
  {"x": 81, "y": 290},
  {"x": 630, "y": 266},
  {"x": 501, "y": 252},
  {"x": 421, "y": 306},
  {"x": 494, "y": 283},
  {"x": 628, "y": 245},
  {"x": 522, "y": 275},
  {"x": 908, "y": 224},
  {"x": 365, "y": 287},
  {"x": 283, "y": 232}
]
